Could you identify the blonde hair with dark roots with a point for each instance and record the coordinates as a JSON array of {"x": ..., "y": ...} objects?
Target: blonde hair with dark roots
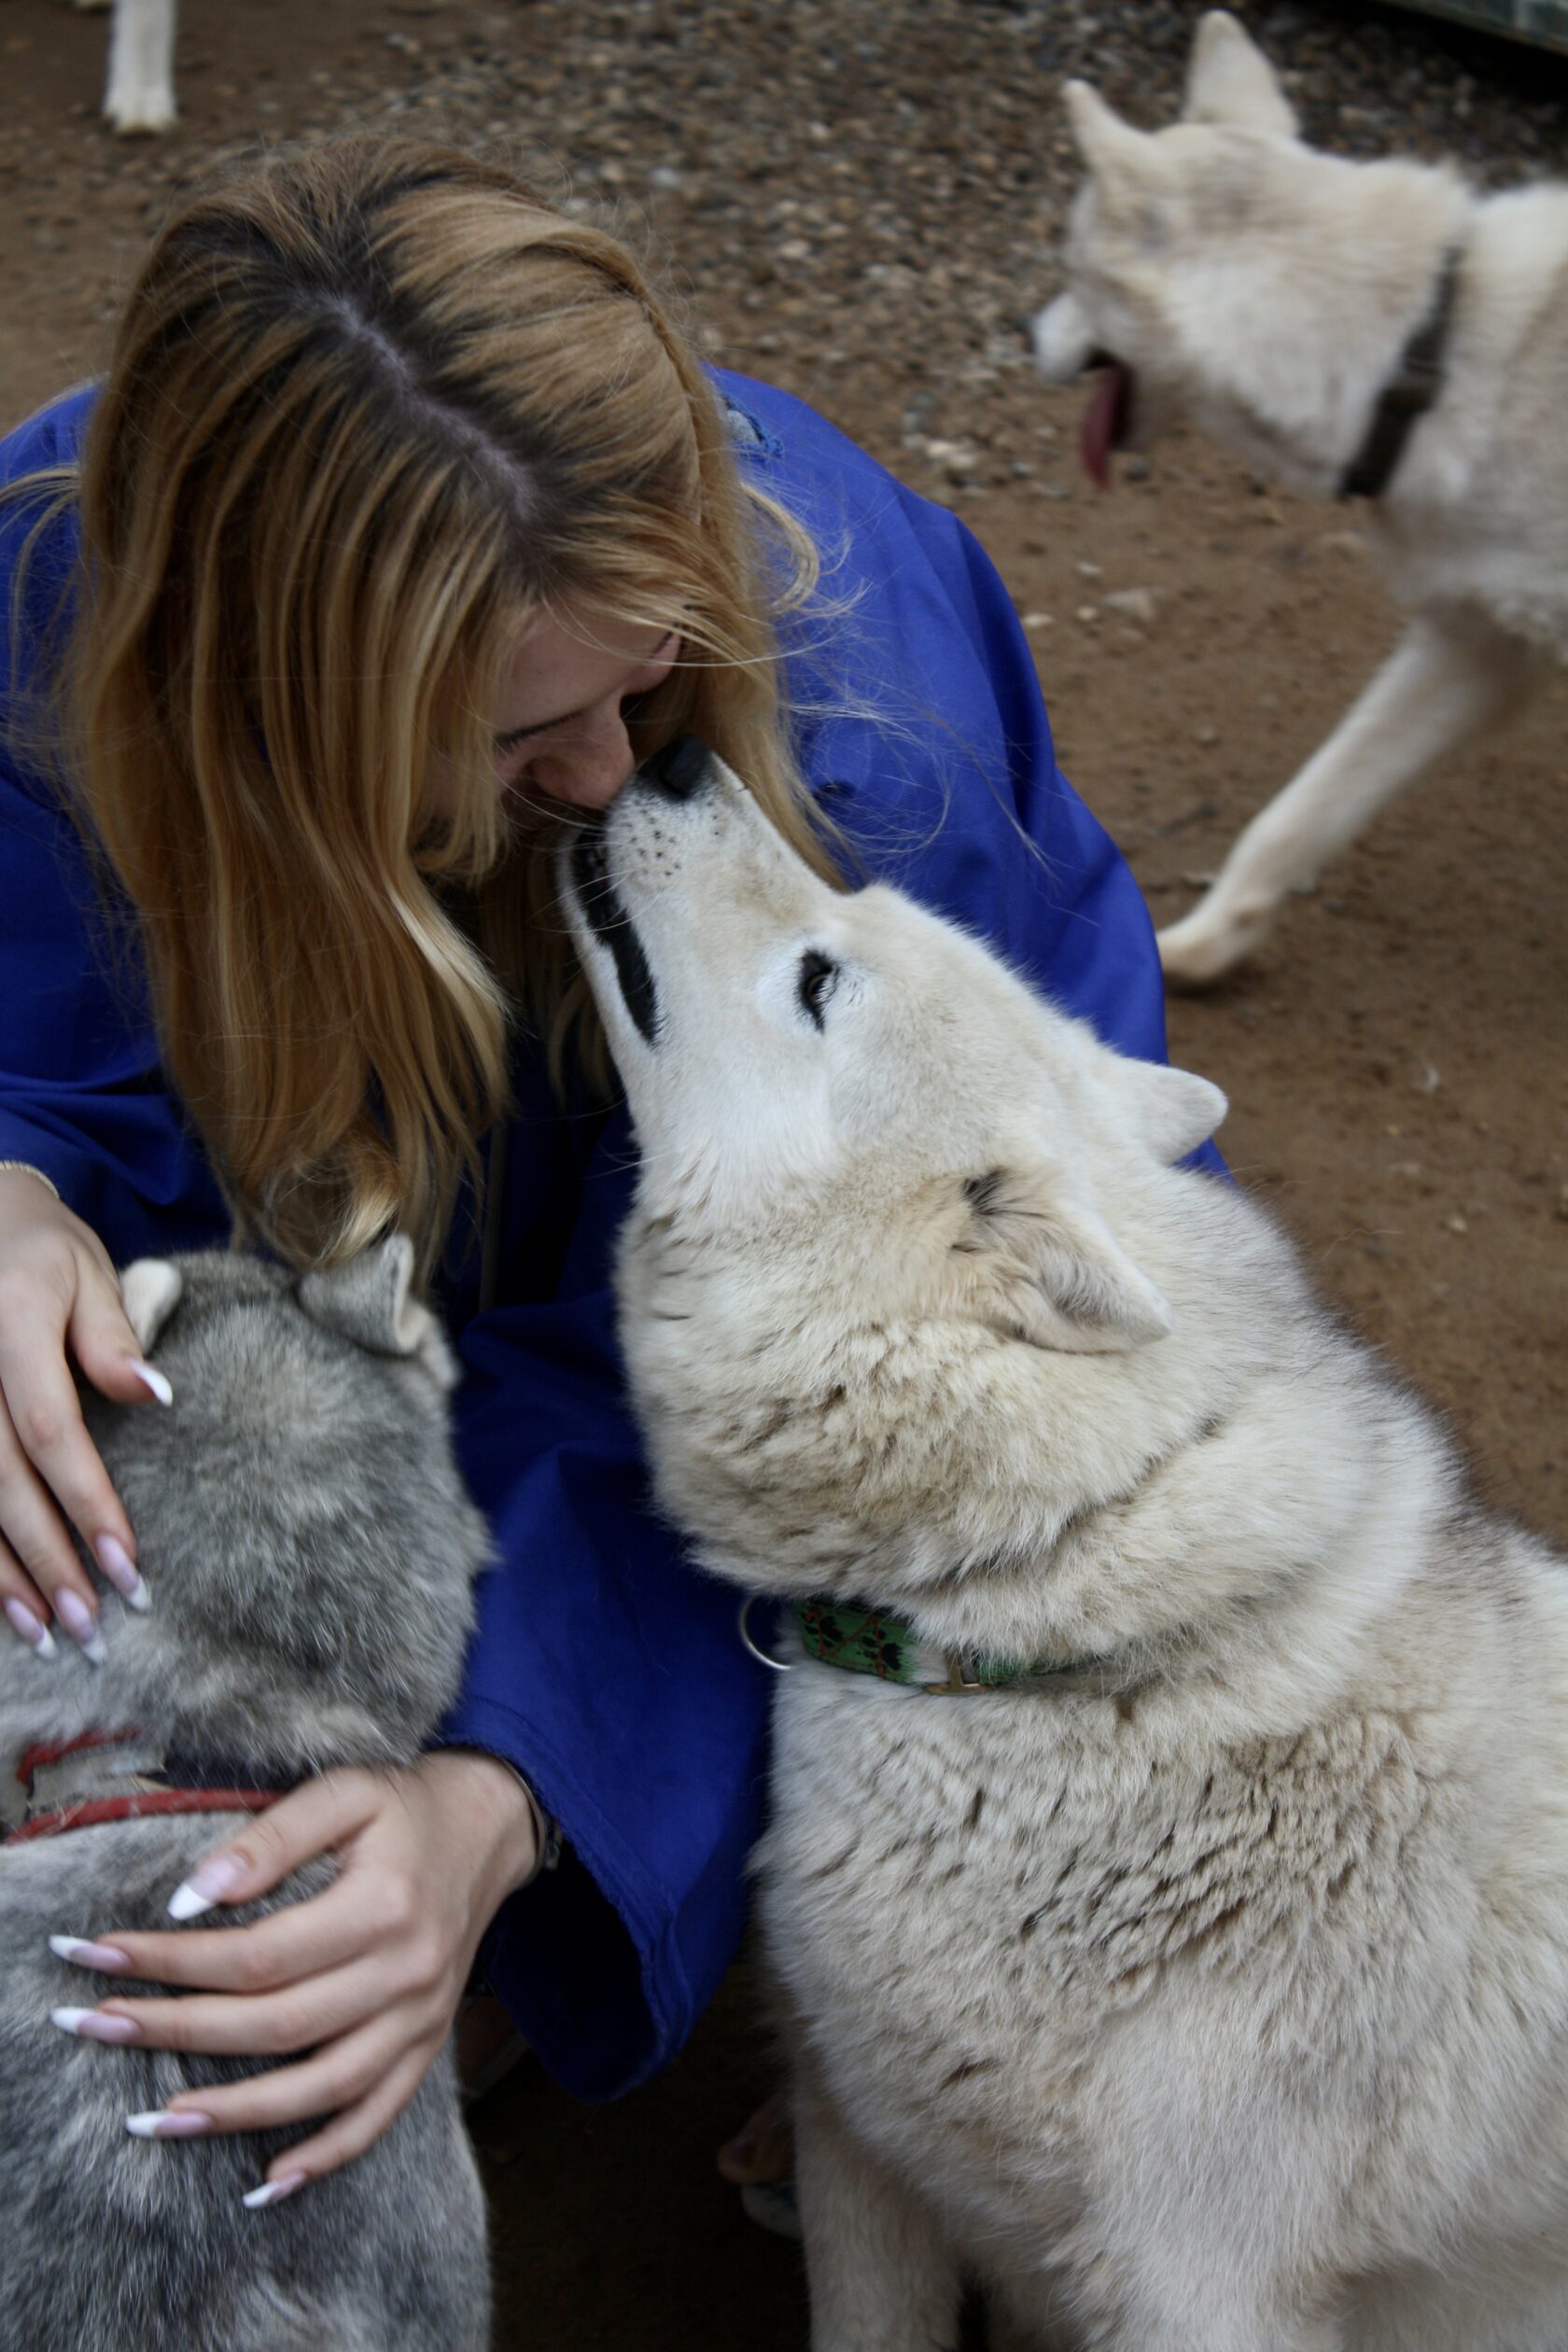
[{"x": 371, "y": 410}]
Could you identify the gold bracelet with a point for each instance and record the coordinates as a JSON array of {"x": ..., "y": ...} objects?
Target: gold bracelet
[{"x": 25, "y": 1168}]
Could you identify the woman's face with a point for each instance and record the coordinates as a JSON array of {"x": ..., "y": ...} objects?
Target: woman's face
[{"x": 559, "y": 723}]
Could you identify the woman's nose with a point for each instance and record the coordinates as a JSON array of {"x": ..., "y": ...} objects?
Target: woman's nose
[{"x": 588, "y": 767}]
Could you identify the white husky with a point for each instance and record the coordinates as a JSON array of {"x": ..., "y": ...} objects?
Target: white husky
[
  {"x": 1200, "y": 1977},
  {"x": 1374, "y": 329}
]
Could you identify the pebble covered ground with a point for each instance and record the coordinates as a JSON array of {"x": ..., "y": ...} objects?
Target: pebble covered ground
[{"x": 859, "y": 202}]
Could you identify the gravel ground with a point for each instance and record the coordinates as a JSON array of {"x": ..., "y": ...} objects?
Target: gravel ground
[{"x": 859, "y": 203}]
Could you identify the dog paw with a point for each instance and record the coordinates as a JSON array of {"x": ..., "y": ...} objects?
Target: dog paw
[
  {"x": 1197, "y": 953},
  {"x": 145, "y": 115}
]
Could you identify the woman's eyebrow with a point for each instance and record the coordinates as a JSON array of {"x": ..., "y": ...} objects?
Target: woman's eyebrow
[
  {"x": 538, "y": 726},
  {"x": 543, "y": 726}
]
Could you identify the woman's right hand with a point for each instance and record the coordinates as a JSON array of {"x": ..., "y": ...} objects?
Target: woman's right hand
[{"x": 59, "y": 1296}]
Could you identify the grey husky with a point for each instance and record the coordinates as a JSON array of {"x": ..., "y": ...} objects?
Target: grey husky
[
  {"x": 1368, "y": 329},
  {"x": 312, "y": 1551}
]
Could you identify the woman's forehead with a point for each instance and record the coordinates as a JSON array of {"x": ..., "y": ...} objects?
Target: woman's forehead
[{"x": 559, "y": 663}]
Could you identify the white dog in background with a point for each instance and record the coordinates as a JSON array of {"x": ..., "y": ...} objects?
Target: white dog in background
[
  {"x": 1172, "y": 1926},
  {"x": 141, "y": 87},
  {"x": 1370, "y": 330}
]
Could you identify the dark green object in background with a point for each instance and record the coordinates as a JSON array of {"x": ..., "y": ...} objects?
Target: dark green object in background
[{"x": 1543, "y": 21}]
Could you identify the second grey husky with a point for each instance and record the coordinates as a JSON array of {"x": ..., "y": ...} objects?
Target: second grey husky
[
  {"x": 1358, "y": 328},
  {"x": 1171, "y": 1917},
  {"x": 313, "y": 1550}
]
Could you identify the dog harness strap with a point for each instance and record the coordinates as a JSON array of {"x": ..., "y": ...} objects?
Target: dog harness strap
[
  {"x": 35, "y": 1759},
  {"x": 74, "y": 1795},
  {"x": 869, "y": 1641},
  {"x": 144, "y": 1805},
  {"x": 1410, "y": 391}
]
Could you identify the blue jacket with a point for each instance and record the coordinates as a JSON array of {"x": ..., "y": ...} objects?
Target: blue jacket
[{"x": 604, "y": 1669}]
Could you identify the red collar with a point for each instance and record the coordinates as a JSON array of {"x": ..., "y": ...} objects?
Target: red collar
[{"x": 141, "y": 1803}]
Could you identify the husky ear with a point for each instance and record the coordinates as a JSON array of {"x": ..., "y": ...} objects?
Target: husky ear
[
  {"x": 1128, "y": 167},
  {"x": 369, "y": 1300},
  {"x": 1230, "y": 81},
  {"x": 1046, "y": 1268},
  {"x": 1176, "y": 1109},
  {"x": 151, "y": 1291}
]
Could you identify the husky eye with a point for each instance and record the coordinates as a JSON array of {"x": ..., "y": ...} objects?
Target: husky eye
[{"x": 814, "y": 983}]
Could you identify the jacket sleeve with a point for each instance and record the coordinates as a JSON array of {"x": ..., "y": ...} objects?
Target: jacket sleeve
[
  {"x": 610, "y": 1674},
  {"x": 82, "y": 1096}
]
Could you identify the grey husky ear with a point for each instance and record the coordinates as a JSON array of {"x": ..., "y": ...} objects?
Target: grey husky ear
[
  {"x": 369, "y": 1300},
  {"x": 1048, "y": 1270},
  {"x": 1230, "y": 81},
  {"x": 151, "y": 1291}
]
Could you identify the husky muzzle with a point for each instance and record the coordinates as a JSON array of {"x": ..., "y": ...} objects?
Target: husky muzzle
[{"x": 679, "y": 773}]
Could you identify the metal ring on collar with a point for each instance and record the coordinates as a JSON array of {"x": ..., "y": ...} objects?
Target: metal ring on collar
[{"x": 762, "y": 1656}]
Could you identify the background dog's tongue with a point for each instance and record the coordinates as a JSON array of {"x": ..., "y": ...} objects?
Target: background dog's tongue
[{"x": 1104, "y": 422}]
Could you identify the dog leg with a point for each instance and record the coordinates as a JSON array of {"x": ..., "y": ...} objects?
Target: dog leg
[
  {"x": 1443, "y": 682},
  {"x": 140, "y": 92},
  {"x": 881, "y": 2277}
]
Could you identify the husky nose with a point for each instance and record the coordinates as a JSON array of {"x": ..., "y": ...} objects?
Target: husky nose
[{"x": 681, "y": 768}]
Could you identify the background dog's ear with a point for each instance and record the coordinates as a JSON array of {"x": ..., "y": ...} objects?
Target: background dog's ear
[
  {"x": 1230, "y": 81},
  {"x": 369, "y": 1300},
  {"x": 1128, "y": 167},
  {"x": 151, "y": 1290},
  {"x": 1046, "y": 1268}
]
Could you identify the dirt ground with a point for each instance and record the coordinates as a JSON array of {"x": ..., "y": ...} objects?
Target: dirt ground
[{"x": 858, "y": 204}]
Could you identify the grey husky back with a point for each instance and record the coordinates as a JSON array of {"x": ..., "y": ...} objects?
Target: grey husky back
[{"x": 304, "y": 1529}]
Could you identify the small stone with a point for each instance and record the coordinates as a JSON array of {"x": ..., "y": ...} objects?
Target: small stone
[
  {"x": 1034, "y": 622},
  {"x": 1133, "y": 604},
  {"x": 1456, "y": 1223},
  {"x": 1090, "y": 571},
  {"x": 1206, "y": 734},
  {"x": 1089, "y": 614}
]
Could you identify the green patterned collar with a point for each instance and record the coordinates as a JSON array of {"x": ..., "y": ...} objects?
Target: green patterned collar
[{"x": 868, "y": 1641}]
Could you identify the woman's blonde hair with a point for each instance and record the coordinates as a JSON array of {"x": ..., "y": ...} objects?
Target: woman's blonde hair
[{"x": 370, "y": 410}]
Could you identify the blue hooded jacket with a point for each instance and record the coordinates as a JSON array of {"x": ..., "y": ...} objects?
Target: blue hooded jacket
[{"x": 604, "y": 1669}]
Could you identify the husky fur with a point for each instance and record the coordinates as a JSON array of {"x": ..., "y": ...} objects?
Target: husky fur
[
  {"x": 1211, "y": 1996},
  {"x": 1268, "y": 292},
  {"x": 310, "y": 1551}
]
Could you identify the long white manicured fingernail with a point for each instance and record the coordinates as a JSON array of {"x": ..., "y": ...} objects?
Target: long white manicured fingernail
[
  {"x": 272, "y": 2191},
  {"x": 93, "y": 2026},
  {"x": 169, "y": 2123},
  {"x": 121, "y": 1572},
  {"x": 150, "y": 1376},
  {"x": 82, "y": 1954},
  {"x": 31, "y": 1629},
  {"x": 207, "y": 1884},
  {"x": 81, "y": 1625}
]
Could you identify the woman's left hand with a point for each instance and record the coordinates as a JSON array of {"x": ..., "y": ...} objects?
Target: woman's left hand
[{"x": 366, "y": 1977}]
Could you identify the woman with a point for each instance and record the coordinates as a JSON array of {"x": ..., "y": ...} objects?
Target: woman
[{"x": 408, "y": 522}]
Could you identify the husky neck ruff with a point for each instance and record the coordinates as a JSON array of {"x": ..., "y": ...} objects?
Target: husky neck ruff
[
  {"x": 870, "y": 1641},
  {"x": 1415, "y": 386},
  {"x": 75, "y": 1786}
]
